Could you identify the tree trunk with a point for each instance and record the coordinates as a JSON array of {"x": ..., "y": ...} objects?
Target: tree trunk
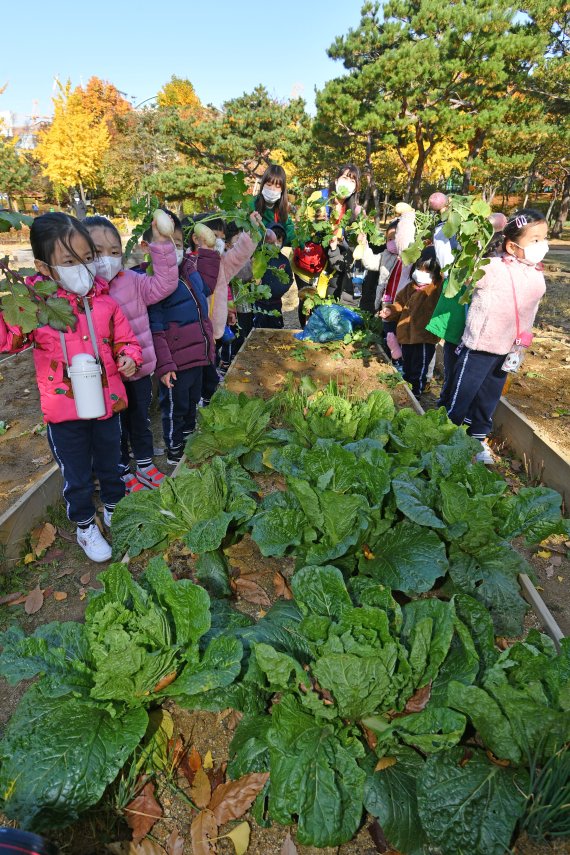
[
  {"x": 82, "y": 192},
  {"x": 551, "y": 205},
  {"x": 372, "y": 189},
  {"x": 564, "y": 206},
  {"x": 385, "y": 205},
  {"x": 527, "y": 186},
  {"x": 420, "y": 164},
  {"x": 408, "y": 169},
  {"x": 475, "y": 147}
]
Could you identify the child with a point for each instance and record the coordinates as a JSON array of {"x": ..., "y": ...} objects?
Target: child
[
  {"x": 134, "y": 292},
  {"x": 64, "y": 252},
  {"x": 412, "y": 308},
  {"x": 278, "y": 287},
  {"x": 272, "y": 201},
  {"x": 347, "y": 185},
  {"x": 381, "y": 263},
  {"x": 499, "y": 324},
  {"x": 184, "y": 342}
]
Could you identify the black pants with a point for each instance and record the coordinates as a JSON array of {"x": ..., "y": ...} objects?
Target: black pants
[
  {"x": 135, "y": 423},
  {"x": 268, "y": 322},
  {"x": 369, "y": 288},
  {"x": 449, "y": 361},
  {"x": 81, "y": 448},
  {"x": 476, "y": 390},
  {"x": 210, "y": 382},
  {"x": 416, "y": 359},
  {"x": 178, "y": 407}
]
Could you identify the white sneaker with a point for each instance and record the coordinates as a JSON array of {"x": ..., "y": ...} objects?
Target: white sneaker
[
  {"x": 93, "y": 543},
  {"x": 107, "y": 517},
  {"x": 486, "y": 456}
]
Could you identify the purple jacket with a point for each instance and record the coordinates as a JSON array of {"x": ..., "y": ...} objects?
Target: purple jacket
[
  {"x": 134, "y": 292},
  {"x": 181, "y": 329}
]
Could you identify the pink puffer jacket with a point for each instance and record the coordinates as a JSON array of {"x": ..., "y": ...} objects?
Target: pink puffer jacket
[
  {"x": 491, "y": 320},
  {"x": 114, "y": 338},
  {"x": 135, "y": 291},
  {"x": 232, "y": 262}
]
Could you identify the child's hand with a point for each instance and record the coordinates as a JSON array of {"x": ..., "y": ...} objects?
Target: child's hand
[
  {"x": 126, "y": 366},
  {"x": 270, "y": 236},
  {"x": 384, "y": 314},
  {"x": 168, "y": 379},
  {"x": 255, "y": 219},
  {"x": 157, "y": 237}
]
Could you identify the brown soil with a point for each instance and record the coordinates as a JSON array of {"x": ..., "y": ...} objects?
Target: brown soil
[
  {"x": 24, "y": 451},
  {"x": 271, "y": 357}
]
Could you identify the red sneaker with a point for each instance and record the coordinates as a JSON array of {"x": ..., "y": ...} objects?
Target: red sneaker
[
  {"x": 132, "y": 484},
  {"x": 151, "y": 477}
]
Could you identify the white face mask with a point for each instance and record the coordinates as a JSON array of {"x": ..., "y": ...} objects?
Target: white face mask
[
  {"x": 179, "y": 256},
  {"x": 77, "y": 279},
  {"x": 108, "y": 266},
  {"x": 270, "y": 195},
  {"x": 534, "y": 252},
  {"x": 345, "y": 187},
  {"x": 422, "y": 277}
]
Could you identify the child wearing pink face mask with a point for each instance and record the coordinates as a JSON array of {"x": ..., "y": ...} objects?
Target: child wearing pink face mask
[{"x": 411, "y": 310}]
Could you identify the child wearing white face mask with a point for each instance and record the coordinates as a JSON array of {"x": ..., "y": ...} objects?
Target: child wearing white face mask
[
  {"x": 272, "y": 202},
  {"x": 499, "y": 325},
  {"x": 64, "y": 252},
  {"x": 412, "y": 308},
  {"x": 134, "y": 292}
]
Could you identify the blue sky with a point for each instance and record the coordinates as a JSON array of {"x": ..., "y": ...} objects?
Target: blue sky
[{"x": 224, "y": 48}]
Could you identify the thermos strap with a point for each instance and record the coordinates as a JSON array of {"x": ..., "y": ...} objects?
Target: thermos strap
[{"x": 89, "y": 320}]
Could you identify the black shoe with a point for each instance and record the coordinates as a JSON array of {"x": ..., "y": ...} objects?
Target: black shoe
[{"x": 174, "y": 457}]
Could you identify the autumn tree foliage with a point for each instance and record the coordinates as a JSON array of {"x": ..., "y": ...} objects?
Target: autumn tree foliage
[{"x": 71, "y": 149}]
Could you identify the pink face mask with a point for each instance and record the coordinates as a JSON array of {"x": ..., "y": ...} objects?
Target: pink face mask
[{"x": 391, "y": 246}]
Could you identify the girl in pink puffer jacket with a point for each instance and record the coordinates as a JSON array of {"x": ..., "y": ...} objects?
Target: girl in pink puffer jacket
[
  {"x": 134, "y": 292},
  {"x": 64, "y": 252}
]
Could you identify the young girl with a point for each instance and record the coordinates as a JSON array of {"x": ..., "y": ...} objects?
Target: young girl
[
  {"x": 64, "y": 252},
  {"x": 499, "y": 323},
  {"x": 411, "y": 310},
  {"x": 184, "y": 342},
  {"x": 278, "y": 286},
  {"x": 381, "y": 263},
  {"x": 134, "y": 292},
  {"x": 347, "y": 186},
  {"x": 272, "y": 201}
]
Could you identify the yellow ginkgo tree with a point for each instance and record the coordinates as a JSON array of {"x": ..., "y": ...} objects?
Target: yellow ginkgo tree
[{"x": 71, "y": 149}]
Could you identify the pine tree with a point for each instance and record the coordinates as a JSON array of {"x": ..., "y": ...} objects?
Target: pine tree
[{"x": 15, "y": 174}]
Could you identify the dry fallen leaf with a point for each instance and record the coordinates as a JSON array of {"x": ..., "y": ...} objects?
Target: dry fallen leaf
[
  {"x": 560, "y": 578},
  {"x": 85, "y": 579},
  {"x": 60, "y": 595},
  {"x": 42, "y": 537},
  {"x": 143, "y": 812},
  {"x": 201, "y": 792},
  {"x": 282, "y": 589},
  {"x": 166, "y": 681},
  {"x": 288, "y": 847},
  {"x": 19, "y": 600},
  {"x": 232, "y": 799},
  {"x": 556, "y": 560},
  {"x": 65, "y": 571},
  {"x": 543, "y": 553},
  {"x": 208, "y": 762},
  {"x": 53, "y": 555},
  {"x": 419, "y": 700},
  {"x": 385, "y": 763},
  {"x": 147, "y": 847},
  {"x": 34, "y": 601},
  {"x": 9, "y": 598},
  {"x": 29, "y": 557},
  {"x": 231, "y": 717},
  {"x": 550, "y": 571},
  {"x": 250, "y": 591},
  {"x": 69, "y": 536},
  {"x": 240, "y": 837},
  {"x": 203, "y": 830},
  {"x": 175, "y": 843}
]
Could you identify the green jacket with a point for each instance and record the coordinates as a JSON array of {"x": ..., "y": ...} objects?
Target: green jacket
[
  {"x": 268, "y": 218},
  {"x": 448, "y": 319}
]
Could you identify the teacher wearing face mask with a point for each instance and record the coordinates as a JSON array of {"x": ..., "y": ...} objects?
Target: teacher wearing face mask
[
  {"x": 343, "y": 194},
  {"x": 272, "y": 202}
]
